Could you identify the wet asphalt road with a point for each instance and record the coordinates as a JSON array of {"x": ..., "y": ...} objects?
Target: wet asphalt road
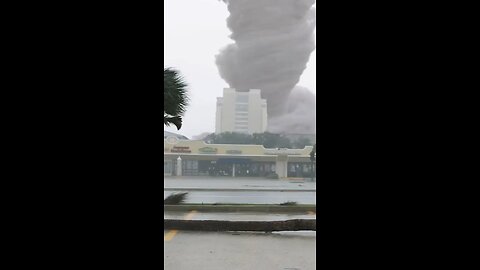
[
  {"x": 238, "y": 250},
  {"x": 225, "y": 190},
  {"x": 254, "y": 197},
  {"x": 237, "y": 183},
  {"x": 238, "y": 216}
]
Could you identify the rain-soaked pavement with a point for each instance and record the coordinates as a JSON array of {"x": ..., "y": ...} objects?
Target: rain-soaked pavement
[
  {"x": 253, "y": 197},
  {"x": 237, "y": 183},
  {"x": 242, "y": 190},
  {"x": 196, "y": 215},
  {"x": 239, "y": 250}
]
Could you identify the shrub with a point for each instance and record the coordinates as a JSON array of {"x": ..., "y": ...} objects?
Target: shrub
[
  {"x": 176, "y": 198},
  {"x": 289, "y": 203}
]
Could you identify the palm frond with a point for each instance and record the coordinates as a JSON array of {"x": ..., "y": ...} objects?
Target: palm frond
[
  {"x": 175, "y": 92},
  {"x": 175, "y": 97},
  {"x": 168, "y": 120}
]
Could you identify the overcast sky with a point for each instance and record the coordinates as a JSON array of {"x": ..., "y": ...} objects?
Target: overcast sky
[{"x": 195, "y": 31}]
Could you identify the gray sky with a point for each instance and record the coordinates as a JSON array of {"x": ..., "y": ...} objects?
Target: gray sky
[{"x": 195, "y": 31}]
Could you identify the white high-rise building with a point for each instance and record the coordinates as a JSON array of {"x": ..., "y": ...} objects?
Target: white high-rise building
[{"x": 244, "y": 112}]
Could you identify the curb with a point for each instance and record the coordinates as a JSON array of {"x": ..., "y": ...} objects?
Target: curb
[
  {"x": 241, "y": 208},
  {"x": 239, "y": 189}
]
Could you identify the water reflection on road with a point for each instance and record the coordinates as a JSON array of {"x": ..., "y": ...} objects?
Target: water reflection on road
[{"x": 256, "y": 197}]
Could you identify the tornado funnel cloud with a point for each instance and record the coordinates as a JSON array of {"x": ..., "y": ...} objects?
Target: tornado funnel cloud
[{"x": 273, "y": 40}]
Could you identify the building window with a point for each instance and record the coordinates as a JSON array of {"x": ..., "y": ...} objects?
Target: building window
[
  {"x": 240, "y": 126},
  {"x": 241, "y": 98},
  {"x": 241, "y": 107},
  {"x": 191, "y": 164},
  {"x": 167, "y": 167}
]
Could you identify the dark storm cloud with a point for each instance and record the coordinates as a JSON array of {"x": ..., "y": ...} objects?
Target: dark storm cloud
[{"x": 273, "y": 42}]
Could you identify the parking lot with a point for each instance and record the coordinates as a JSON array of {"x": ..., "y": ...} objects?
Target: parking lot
[{"x": 239, "y": 250}]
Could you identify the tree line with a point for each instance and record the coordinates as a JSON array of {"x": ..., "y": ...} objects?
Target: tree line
[{"x": 267, "y": 139}]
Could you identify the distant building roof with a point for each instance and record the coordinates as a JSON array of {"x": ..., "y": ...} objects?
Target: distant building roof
[{"x": 169, "y": 134}]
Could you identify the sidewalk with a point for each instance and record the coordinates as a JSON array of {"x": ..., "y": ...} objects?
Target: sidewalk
[{"x": 238, "y": 184}]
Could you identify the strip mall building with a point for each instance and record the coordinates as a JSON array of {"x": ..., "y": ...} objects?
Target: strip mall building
[{"x": 197, "y": 158}]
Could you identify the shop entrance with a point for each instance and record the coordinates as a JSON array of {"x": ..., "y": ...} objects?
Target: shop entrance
[{"x": 235, "y": 167}]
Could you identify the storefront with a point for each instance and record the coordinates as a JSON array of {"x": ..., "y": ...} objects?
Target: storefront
[{"x": 200, "y": 159}]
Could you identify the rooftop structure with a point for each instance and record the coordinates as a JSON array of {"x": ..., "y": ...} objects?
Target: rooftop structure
[{"x": 167, "y": 134}]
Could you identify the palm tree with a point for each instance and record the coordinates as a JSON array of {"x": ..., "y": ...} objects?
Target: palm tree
[{"x": 175, "y": 97}]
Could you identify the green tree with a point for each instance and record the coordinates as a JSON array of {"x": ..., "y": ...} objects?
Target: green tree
[
  {"x": 175, "y": 97},
  {"x": 313, "y": 153},
  {"x": 230, "y": 138},
  {"x": 272, "y": 140},
  {"x": 301, "y": 142},
  {"x": 267, "y": 139}
]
